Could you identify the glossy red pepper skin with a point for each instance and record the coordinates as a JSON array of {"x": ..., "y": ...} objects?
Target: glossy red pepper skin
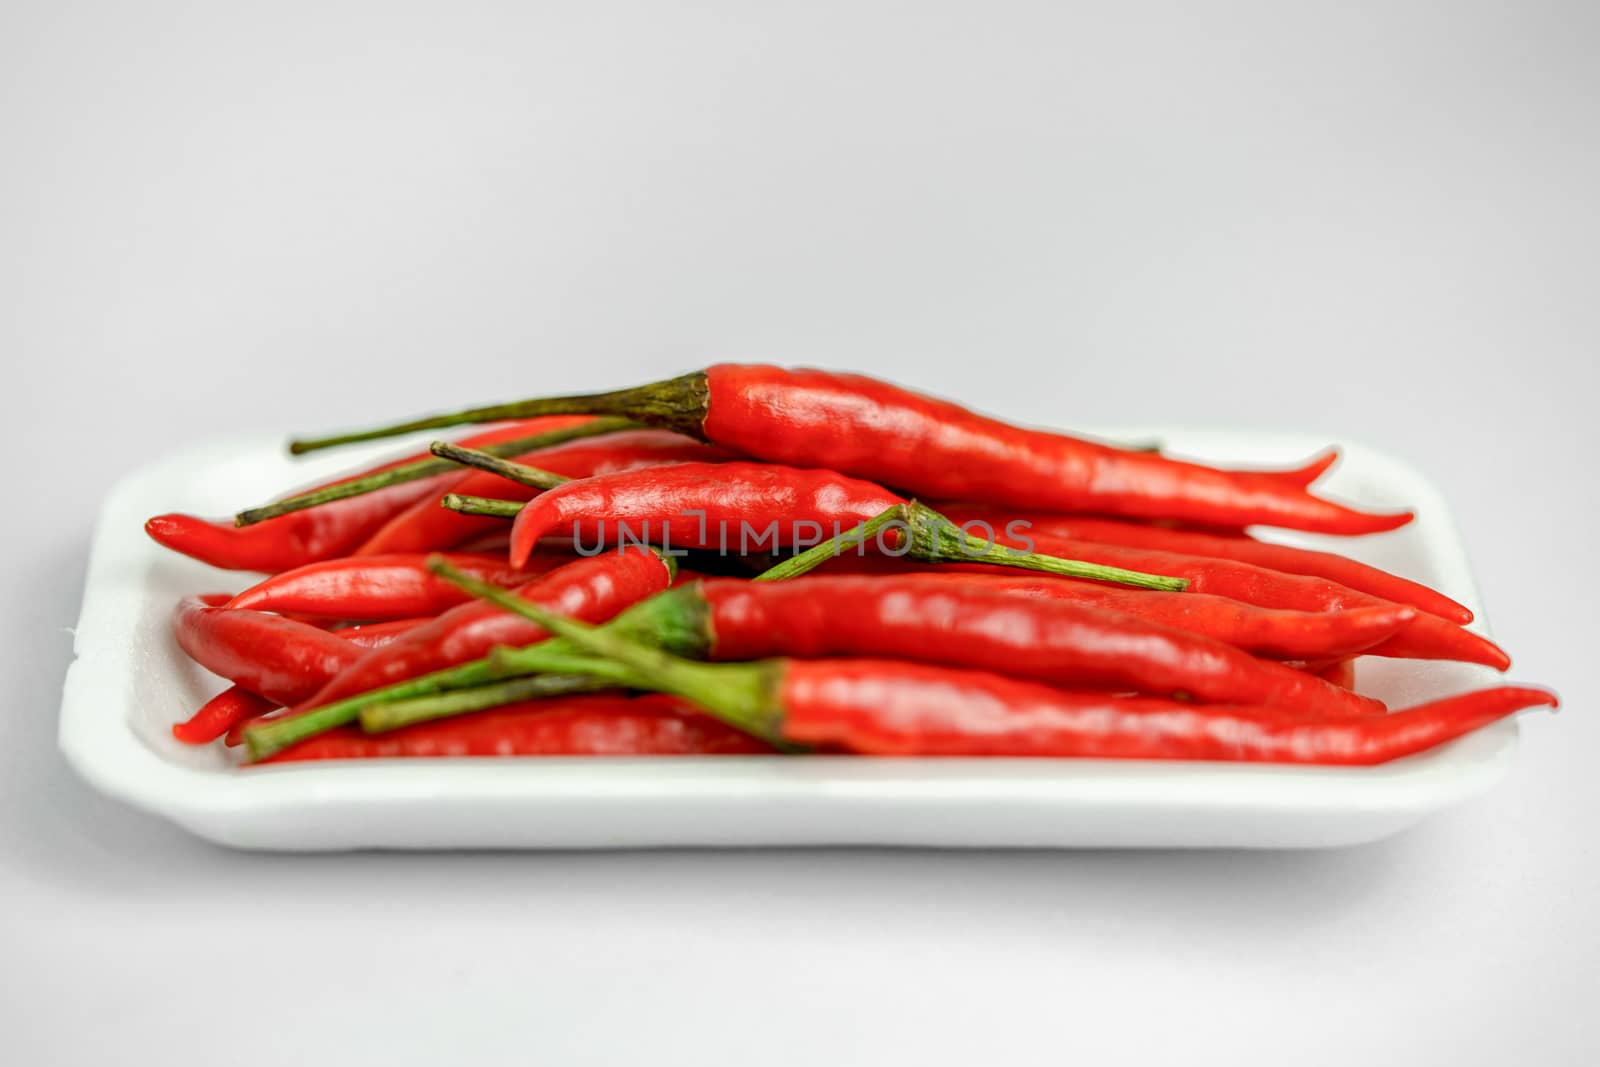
[
  {"x": 427, "y": 526},
  {"x": 939, "y": 450},
  {"x": 1271, "y": 632},
  {"x": 378, "y": 634},
  {"x": 278, "y": 658},
  {"x": 323, "y": 532},
  {"x": 590, "y": 590},
  {"x": 700, "y": 505},
  {"x": 396, "y": 586},
  {"x": 599, "y": 724},
  {"x": 963, "y": 624},
  {"x": 288, "y": 541},
  {"x": 1424, "y": 637},
  {"x": 1285, "y": 558},
  {"x": 237, "y": 705},
  {"x": 888, "y": 708}
]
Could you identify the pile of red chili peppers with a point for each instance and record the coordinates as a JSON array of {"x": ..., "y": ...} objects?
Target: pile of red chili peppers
[{"x": 753, "y": 560}]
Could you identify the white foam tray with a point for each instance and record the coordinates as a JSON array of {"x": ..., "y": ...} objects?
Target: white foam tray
[{"x": 130, "y": 682}]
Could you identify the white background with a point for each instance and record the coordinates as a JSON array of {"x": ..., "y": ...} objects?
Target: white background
[{"x": 1377, "y": 222}]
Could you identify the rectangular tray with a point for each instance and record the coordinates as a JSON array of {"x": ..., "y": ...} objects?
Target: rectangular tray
[{"x": 130, "y": 682}]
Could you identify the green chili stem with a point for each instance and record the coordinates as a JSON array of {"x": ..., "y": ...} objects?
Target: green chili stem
[
  {"x": 678, "y": 404},
  {"x": 935, "y": 539},
  {"x": 481, "y": 505},
  {"x": 377, "y": 718},
  {"x": 742, "y": 695},
  {"x": 426, "y": 468},
  {"x": 274, "y": 735},
  {"x": 817, "y": 555},
  {"x": 483, "y": 460}
]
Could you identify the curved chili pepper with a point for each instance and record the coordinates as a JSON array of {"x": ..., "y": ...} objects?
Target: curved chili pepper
[
  {"x": 871, "y": 429},
  {"x": 288, "y": 541},
  {"x": 281, "y": 659},
  {"x": 1286, "y": 558},
  {"x": 588, "y": 725},
  {"x": 594, "y": 589},
  {"x": 235, "y": 705},
  {"x": 377, "y": 587},
  {"x": 1424, "y": 637},
  {"x": 968, "y": 625},
  {"x": 319, "y": 533},
  {"x": 724, "y": 506},
  {"x": 220, "y": 714},
  {"x": 426, "y": 526},
  {"x": 1272, "y": 632},
  {"x": 893, "y": 708}
]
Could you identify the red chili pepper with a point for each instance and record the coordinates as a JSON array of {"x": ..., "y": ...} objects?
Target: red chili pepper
[
  {"x": 1424, "y": 637},
  {"x": 732, "y": 506},
  {"x": 221, "y": 713},
  {"x": 1272, "y": 632},
  {"x": 236, "y": 705},
  {"x": 968, "y": 624},
  {"x": 597, "y": 724},
  {"x": 279, "y": 658},
  {"x": 592, "y": 589},
  {"x": 934, "y": 448},
  {"x": 377, "y": 587},
  {"x": 426, "y": 526},
  {"x": 1285, "y": 558},
  {"x": 319, "y": 533},
  {"x": 870, "y": 429},
  {"x": 893, "y": 708}
]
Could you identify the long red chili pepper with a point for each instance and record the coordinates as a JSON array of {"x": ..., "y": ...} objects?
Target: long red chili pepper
[
  {"x": 425, "y": 526},
  {"x": 290, "y": 540},
  {"x": 893, "y": 708},
  {"x": 377, "y": 587},
  {"x": 1424, "y": 637},
  {"x": 236, "y": 704},
  {"x": 890, "y": 709},
  {"x": 593, "y": 589},
  {"x": 725, "y": 506},
  {"x": 1272, "y": 632},
  {"x": 319, "y": 533},
  {"x": 1286, "y": 558},
  {"x": 871, "y": 429},
  {"x": 596, "y": 724},
  {"x": 966, "y": 624}
]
